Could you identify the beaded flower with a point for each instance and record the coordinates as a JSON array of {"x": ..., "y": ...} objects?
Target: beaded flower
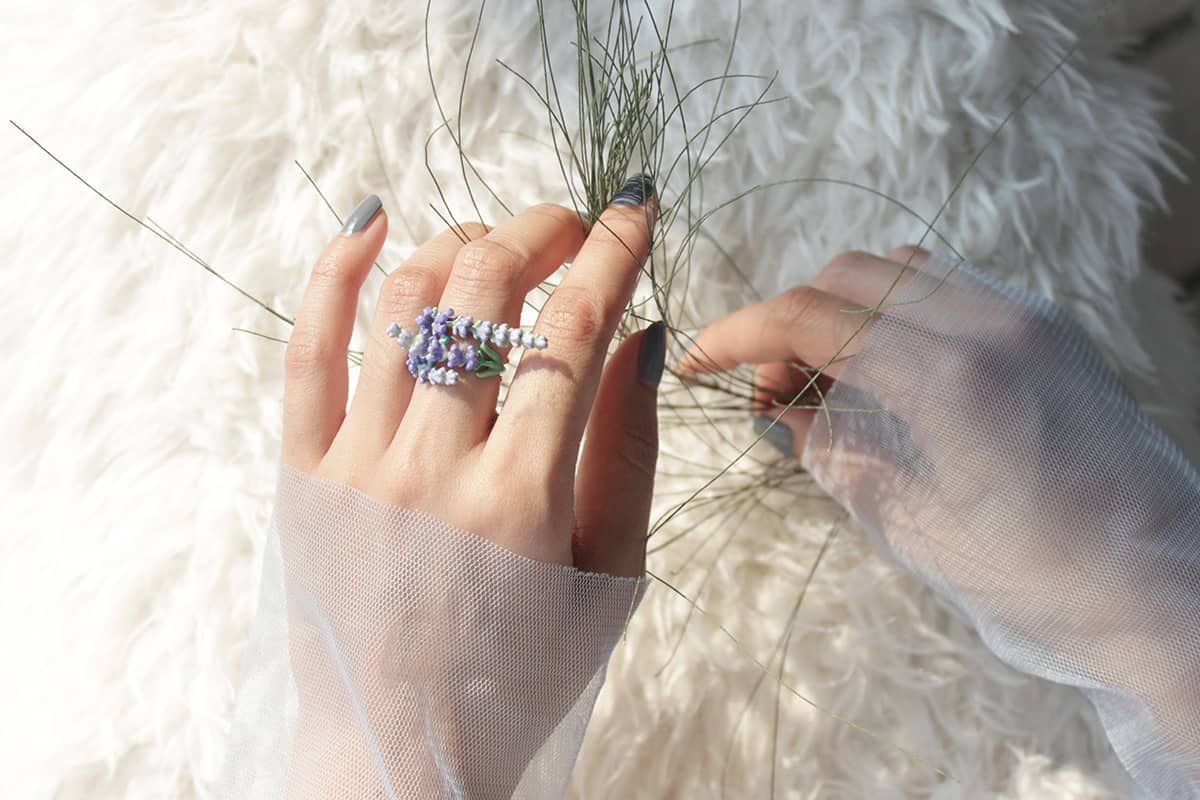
[{"x": 439, "y": 350}]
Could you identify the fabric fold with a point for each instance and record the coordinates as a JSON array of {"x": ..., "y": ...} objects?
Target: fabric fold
[{"x": 394, "y": 655}]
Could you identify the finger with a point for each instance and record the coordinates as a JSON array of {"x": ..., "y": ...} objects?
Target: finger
[
  {"x": 870, "y": 280},
  {"x": 556, "y": 386},
  {"x": 786, "y": 431},
  {"x": 889, "y": 286},
  {"x": 788, "y": 384},
  {"x": 316, "y": 376},
  {"x": 909, "y": 255},
  {"x": 489, "y": 281},
  {"x": 788, "y": 398},
  {"x": 616, "y": 473},
  {"x": 384, "y": 383},
  {"x": 803, "y": 324}
]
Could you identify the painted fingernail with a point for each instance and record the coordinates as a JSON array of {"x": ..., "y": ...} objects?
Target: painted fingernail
[
  {"x": 361, "y": 216},
  {"x": 634, "y": 192},
  {"x": 652, "y": 355},
  {"x": 779, "y": 436}
]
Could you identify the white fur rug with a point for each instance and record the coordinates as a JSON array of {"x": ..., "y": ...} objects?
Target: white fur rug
[{"x": 142, "y": 433}]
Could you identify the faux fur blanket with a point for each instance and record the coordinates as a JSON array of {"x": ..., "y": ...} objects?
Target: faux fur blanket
[{"x": 141, "y": 432}]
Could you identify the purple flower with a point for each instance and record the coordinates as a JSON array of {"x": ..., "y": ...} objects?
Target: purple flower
[
  {"x": 404, "y": 338},
  {"x": 419, "y": 344},
  {"x": 441, "y": 323},
  {"x": 438, "y": 352}
]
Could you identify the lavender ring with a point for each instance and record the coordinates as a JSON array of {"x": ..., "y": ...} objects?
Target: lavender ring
[{"x": 439, "y": 348}]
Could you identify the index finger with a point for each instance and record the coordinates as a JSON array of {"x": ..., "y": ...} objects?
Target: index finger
[{"x": 803, "y": 324}]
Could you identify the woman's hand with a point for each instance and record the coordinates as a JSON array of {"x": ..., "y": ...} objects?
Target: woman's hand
[
  {"x": 980, "y": 438},
  {"x": 426, "y": 663},
  {"x": 443, "y": 450}
]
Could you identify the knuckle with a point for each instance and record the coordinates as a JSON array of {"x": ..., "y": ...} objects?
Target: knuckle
[
  {"x": 560, "y": 215},
  {"x": 623, "y": 235},
  {"x": 407, "y": 287},
  {"x": 851, "y": 259},
  {"x": 984, "y": 372},
  {"x": 904, "y": 253},
  {"x": 470, "y": 230},
  {"x": 330, "y": 270},
  {"x": 305, "y": 356},
  {"x": 573, "y": 314},
  {"x": 799, "y": 302},
  {"x": 489, "y": 265}
]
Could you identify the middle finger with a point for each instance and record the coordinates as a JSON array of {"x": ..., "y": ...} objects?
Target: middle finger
[
  {"x": 489, "y": 281},
  {"x": 384, "y": 386},
  {"x": 552, "y": 394}
]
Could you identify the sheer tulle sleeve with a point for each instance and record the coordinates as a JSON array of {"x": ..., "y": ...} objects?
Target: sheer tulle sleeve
[
  {"x": 395, "y": 656},
  {"x": 983, "y": 442}
]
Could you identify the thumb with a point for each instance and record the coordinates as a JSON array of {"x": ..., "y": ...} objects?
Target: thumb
[{"x": 615, "y": 482}]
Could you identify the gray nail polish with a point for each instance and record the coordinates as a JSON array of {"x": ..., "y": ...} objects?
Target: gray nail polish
[
  {"x": 779, "y": 437},
  {"x": 634, "y": 192},
  {"x": 362, "y": 215},
  {"x": 652, "y": 354}
]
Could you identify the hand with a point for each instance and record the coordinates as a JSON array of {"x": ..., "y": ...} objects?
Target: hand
[
  {"x": 443, "y": 450},
  {"x": 461, "y": 680},
  {"x": 980, "y": 438},
  {"x": 951, "y": 450}
]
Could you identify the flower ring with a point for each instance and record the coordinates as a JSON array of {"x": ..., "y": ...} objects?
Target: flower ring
[{"x": 438, "y": 350}]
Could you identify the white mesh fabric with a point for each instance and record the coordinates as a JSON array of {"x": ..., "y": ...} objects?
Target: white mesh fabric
[
  {"x": 396, "y": 656},
  {"x": 982, "y": 441}
]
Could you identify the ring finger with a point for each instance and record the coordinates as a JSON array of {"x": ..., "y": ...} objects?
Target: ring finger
[
  {"x": 384, "y": 385},
  {"x": 489, "y": 281}
]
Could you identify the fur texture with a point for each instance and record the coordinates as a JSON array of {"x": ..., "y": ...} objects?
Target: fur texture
[{"x": 142, "y": 433}]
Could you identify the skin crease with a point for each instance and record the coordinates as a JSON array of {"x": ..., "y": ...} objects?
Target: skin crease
[{"x": 394, "y": 437}]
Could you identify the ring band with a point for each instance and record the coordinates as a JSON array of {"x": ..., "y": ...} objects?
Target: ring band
[{"x": 439, "y": 348}]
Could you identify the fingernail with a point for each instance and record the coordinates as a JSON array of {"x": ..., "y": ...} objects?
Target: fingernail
[
  {"x": 779, "y": 436},
  {"x": 634, "y": 192},
  {"x": 652, "y": 355},
  {"x": 361, "y": 216}
]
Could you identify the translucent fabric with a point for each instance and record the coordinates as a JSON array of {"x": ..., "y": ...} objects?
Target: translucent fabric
[
  {"x": 395, "y": 656},
  {"x": 982, "y": 441}
]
